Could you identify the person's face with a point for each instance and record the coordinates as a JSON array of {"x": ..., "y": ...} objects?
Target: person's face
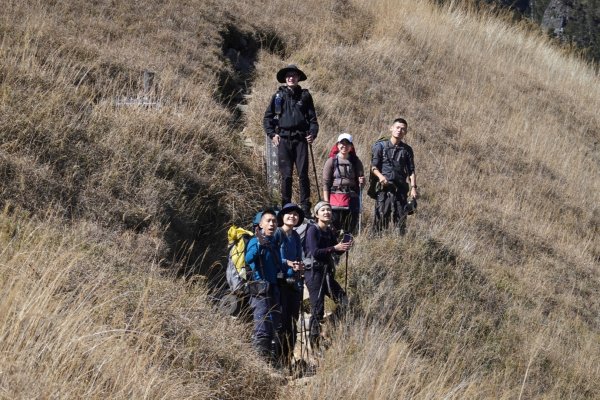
[
  {"x": 291, "y": 78},
  {"x": 398, "y": 130},
  {"x": 324, "y": 214},
  {"x": 344, "y": 146},
  {"x": 291, "y": 219},
  {"x": 268, "y": 223}
]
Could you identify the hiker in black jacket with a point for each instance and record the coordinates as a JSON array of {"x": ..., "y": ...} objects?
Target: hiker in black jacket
[
  {"x": 291, "y": 122},
  {"x": 393, "y": 163},
  {"x": 319, "y": 247}
]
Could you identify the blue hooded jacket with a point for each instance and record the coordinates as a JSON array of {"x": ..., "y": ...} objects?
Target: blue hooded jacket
[{"x": 264, "y": 259}]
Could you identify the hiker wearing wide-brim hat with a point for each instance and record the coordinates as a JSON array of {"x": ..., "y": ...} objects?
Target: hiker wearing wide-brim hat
[
  {"x": 288, "y": 209},
  {"x": 292, "y": 286},
  {"x": 281, "y": 75},
  {"x": 290, "y": 121}
]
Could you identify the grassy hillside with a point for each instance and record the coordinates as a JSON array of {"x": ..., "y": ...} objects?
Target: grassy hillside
[{"x": 493, "y": 293}]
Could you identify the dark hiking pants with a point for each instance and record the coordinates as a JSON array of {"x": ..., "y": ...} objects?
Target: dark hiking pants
[
  {"x": 291, "y": 300},
  {"x": 389, "y": 207},
  {"x": 345, "y": 220},
  {"x": 290, "y": 152},
  {"x": 318, "y": 287},
  {"x": 267, "y": 316}
]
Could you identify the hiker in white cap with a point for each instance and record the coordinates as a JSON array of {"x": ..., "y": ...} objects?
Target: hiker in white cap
[{"x": 343, "y": 177}]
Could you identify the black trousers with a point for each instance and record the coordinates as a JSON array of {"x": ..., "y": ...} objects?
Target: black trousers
[
  {"x": 319, "y": 284},
  {"x": 290, "y": 153},
  {"x": 345, "y": 220},
  {"x": 291, "y": 300},
  {"x": 389, "y": 207}
]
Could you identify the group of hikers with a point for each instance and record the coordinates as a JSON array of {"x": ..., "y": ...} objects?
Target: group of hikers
[{"x": 281, "y": 262}]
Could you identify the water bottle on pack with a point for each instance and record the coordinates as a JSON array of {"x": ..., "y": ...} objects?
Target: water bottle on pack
[{"x": 278, "y": 104}]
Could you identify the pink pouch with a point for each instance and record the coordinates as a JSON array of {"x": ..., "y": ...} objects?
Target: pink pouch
[{"x": 339, "y": 200}]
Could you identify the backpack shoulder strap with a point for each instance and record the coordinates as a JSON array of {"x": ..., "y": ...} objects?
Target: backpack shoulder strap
[
  {"x": 305, "y": 95},
  {"x": 278, "y": 101},
  {"x": 336, "y": 165}
]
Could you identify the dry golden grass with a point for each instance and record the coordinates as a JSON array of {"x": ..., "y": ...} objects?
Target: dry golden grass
[
  {"x": 85, "y": 315},
  {"x": 493, "y": 293}
]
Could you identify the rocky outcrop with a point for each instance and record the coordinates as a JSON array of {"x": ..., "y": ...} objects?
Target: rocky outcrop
[
  {"x": 556, "y": 17},
  {"x": 571, "y": 21}
]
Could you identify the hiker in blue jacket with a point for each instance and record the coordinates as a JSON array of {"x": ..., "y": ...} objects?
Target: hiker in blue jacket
[
  {"x": 262, "y": 255},
  {"x": 320, "y": 244},
  {"x": 292, "y": 286}
]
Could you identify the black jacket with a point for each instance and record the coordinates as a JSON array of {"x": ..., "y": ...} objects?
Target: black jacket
[
  {"x": 297, "y": 113},
  {"x": 395, "y": 162}
]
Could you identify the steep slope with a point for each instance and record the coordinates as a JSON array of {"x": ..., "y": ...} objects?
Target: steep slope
[
  {"x": 492, "y": 294},
  {"x": 495, "y": 288}
]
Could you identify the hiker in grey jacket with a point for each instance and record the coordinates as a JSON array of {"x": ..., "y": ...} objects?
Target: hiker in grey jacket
[{"x": 343, "y": 176}]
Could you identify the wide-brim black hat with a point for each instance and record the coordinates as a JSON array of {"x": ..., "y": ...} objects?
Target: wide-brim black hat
[
  {"x": 291, "y": 67},
  {"x": 289, "y": 207}
]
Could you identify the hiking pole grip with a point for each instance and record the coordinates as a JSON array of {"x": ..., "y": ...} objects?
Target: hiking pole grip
[{"x": 312, "y": 158}]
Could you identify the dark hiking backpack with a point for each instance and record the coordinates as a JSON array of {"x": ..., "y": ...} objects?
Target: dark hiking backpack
[
  {"x": 302, "y": 229},
  {"x": 373, "y": 180}
]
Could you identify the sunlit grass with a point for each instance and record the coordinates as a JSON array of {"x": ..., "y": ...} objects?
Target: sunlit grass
[{"x": 493, "y": 293}]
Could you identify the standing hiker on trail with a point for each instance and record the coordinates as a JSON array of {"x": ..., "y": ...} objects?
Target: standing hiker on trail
[
  {"x": 262, "y": 255},
  {"x": 292, "y": 286},
  {"x": 343, "y": 176},
  {"x": 319, "y": 247},
  {"x": 291, "y": 122},
  {"x": 393, "y": 164}
]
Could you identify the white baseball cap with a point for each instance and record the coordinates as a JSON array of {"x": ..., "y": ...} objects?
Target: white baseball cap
[{"x": 343, "y": 136}]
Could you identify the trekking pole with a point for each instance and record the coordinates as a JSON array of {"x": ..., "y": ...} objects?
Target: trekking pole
[
  {"x": 360, "y": 200},
  {"x": 346, "y": 275},
  {"x": 302, "y": 327},
  {"x": 312, "y": 158},
  {"x": 312, "y": 317}
]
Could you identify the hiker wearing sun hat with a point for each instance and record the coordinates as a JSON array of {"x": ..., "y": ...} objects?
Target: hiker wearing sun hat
[
  {"x": 343, "y": 176},
  {"x": 290, "y": 121},
  {"x": 292, "y": 283}
]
